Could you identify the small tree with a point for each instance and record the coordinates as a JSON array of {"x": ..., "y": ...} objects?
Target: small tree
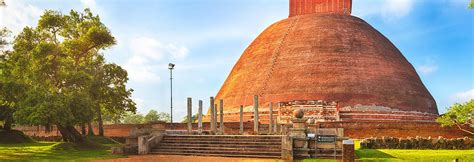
[
  {"x": 459, "y": 115},
  {"x": 471, "y": 6},
  {"x": 194, "y": 119},
  {"x": 154, "y": 116},
  {"x": 131, "y": 118}
]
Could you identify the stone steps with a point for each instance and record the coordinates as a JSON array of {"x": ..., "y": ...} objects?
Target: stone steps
[
  {"x": 225, "y": 140},
  {"x": 220, "y": 155},
  {"x": 219, "y": 152},
  {"x": 223, "y": 145},
  {"x": 267, "y": 146},
  {"x": 210, "y": 148}
]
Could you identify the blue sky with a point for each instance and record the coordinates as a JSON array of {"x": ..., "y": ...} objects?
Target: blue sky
[{"x": 206, "y": 37}]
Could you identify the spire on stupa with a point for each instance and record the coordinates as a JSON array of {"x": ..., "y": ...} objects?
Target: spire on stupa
[{"x": 303, "y": 7}]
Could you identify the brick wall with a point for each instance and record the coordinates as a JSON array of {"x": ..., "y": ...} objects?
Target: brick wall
[
  {"x": 302, "y": 7},
  {"x": 358, "y": 130}
]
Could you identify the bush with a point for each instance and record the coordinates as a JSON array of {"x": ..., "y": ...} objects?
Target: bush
[
  {"x": 13, "y": 136},
  {"x": 418, "y": 143}
]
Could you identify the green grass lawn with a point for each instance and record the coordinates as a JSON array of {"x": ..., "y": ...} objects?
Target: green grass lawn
[
  {"x": 388, "y": 155},
  {"x": 414, "y": 155},
  {"x": 57, "y": 151},
  {"x": 101, "y": 150}
]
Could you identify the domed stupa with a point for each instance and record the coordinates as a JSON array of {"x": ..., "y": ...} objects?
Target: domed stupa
[{"x": 323, "y": 53}]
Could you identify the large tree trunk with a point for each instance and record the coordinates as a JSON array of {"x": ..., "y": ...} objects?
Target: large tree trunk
[
  {"x": 8, "y": 123},
  {"x": 90, "y": 130},
  {"x": 70, "y": 134},
  {"x": 83, "y": 129},
  {"x": 99, "y": 120}
]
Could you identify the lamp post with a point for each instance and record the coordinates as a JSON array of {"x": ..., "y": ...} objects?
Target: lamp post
[{"x": 171, "y": 67}]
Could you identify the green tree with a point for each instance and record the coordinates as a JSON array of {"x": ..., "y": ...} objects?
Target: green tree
[
  {"x": 154, "y": 116},
  {"x": 472, "y": 4},
  {"x": 194, "y": 119},
  {"x": 67, "y": 81},
  {"x": 459, "y": 115},
  {"x": 110, "y": 92},
  {"x": 9, "y": 90},
  {"x": 132, "y": 118}
]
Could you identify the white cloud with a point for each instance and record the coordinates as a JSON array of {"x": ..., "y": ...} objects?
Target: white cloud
[
  {"x": 430, "y": 66},
  {"x": 140, "y": 70},
  {"x": 89, "y": 4},
  {"x": 17, "y": 15},
  {"x": 396, "y": 9},
  {"x": 389, "y": 10},
  {"x": 427, "y": 69},
  {"x": 147, "y": 54},
  {"x": 146, "y": 47},
  {"x": 462, "y": 97}
]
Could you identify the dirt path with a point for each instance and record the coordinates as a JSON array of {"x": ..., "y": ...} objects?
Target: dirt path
[{"x": 175, "y": 158}]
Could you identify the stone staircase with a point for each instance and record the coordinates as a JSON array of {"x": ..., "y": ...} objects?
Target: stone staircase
[{"x": 268, "y": 146}]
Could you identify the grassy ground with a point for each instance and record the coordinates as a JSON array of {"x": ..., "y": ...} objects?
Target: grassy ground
[
  {"x": 414, "y": 155},
  {"x": 100, "y": 149},
  {"x": 389, "y": 155},
  {"x": 58, "y": 151}
]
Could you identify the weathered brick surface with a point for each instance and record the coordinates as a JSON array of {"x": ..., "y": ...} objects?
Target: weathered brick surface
[
  {"x": 332, "y": 57},
  {"x": 398, "y": 129},
  {"x": 303, "y": 7}
]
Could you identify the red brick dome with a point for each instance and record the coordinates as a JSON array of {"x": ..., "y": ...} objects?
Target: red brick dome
[{"x": 332, "y": 57}]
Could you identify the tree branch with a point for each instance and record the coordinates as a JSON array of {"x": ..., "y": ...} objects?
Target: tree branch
[{"x": 465, "y": 130}]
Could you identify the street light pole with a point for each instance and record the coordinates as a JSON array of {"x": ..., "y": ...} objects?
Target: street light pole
[{"x": 171, "y": 67}]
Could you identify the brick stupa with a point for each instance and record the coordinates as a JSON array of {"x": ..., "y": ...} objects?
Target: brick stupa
[{"x": 321, "y": 52}]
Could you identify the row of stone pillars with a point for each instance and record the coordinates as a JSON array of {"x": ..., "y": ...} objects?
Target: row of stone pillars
[{"x": 214, "y": 117}]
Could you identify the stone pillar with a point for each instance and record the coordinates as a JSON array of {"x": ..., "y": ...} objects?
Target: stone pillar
[
  {"x": 241, "y": 119},
  {"x": 298, "y": 134},
  {"x": 255, "y": 114},
  {"x": 221, "y": 116},
  {"x": 190, "y": 115},
  {"x": 348, "y": 153},
  {"x": 213, "y": 119},
  {"x": 216, "y": 117},
  {"x": 270, "y": 121},
  {"x": 200, "y": 117},
  {"x": 278, "y": 120}
]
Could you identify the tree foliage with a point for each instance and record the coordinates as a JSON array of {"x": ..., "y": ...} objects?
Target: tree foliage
[
  {"x": 151, "y": 116},
  {"x": 471, "y": 5},
  {"x": 8, "y": 89},
  {"x": 154, "y": 116},
  {"x": 459, "y": 115},
  {"x": 194, "y": 119},
  {"x": 63, "y": 77},
  {"x": 132, "y": 118}
]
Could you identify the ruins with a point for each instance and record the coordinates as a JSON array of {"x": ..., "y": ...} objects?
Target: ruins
[{"x": 323, "y": 53}]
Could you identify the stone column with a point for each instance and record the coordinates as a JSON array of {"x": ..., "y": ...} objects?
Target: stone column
[
  {"x": 213, "y": 119},
  {"x": 190, "y": 115},
  {"x": 270, "y": 121},
  {"x": 216, "y": 117},
  {"x": 298, "y": 134},
  {"x": 221, "y": 115},
  {"x": 200, "y": 117},
  {"x": 255, "y": 114},
  {"x": 278, "y": 120},
  {"x": 348, "y": 153},
  {"x": 241, "y": 119}
]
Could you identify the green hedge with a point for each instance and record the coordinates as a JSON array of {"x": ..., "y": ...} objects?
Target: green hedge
[{"x": 418, "y": 143}]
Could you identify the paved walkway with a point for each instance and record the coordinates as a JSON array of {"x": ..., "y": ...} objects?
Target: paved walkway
[{"x": 176, "y": 158}]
